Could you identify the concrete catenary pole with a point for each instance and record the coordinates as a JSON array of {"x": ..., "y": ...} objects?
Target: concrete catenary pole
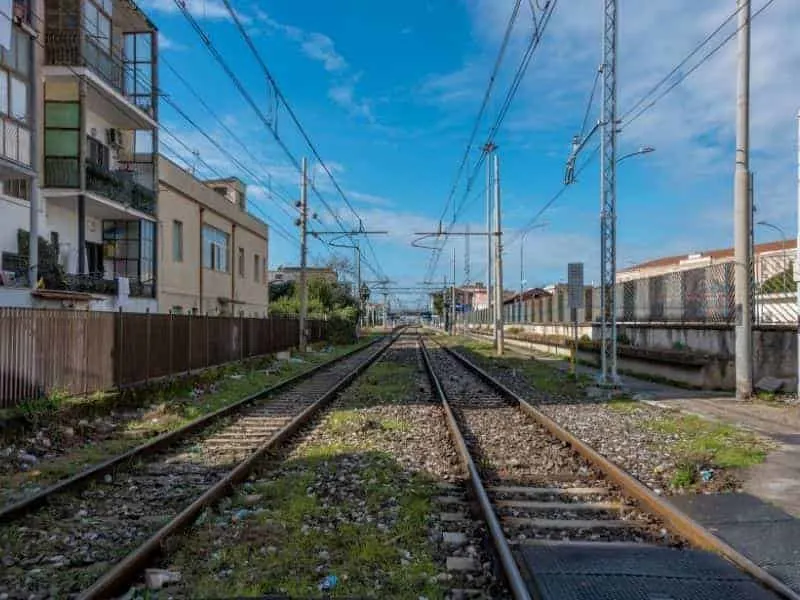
[
  {"x": 797, "y": 255},
  {"x": 489, "y": 259},
  {"x": 303, "y": 255},
  {"x": 453, "y": 297},
  {"x": 498, "y": 261},
  {"x": 743, "y": 213}
]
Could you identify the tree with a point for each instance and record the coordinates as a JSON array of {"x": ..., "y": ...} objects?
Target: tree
[
  {"x": 438, "y": 303},
  {"x": 780, "y": 282}
]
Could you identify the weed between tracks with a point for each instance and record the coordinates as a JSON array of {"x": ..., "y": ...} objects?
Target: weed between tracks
[
  {"x": 170, "y": 412},
  {"x": 340, "y": 505}
]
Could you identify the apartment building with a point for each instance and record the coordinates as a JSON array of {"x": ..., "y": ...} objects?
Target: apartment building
[
  {"x": 213, "y": 254},
  {"x": 97, "y": 115},
  {"x": 18, "y": 53}
]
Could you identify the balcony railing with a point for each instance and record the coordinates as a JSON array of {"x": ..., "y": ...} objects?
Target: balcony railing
[
  {"x": 63, "y": 48},
  {"x": 121, "y": 187}
]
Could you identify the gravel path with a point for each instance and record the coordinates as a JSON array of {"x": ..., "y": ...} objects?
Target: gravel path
[{"x": 352, "y": 498}]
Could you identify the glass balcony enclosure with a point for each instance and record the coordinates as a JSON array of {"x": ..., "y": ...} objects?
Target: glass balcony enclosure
[{"x": 112, "y": 38}]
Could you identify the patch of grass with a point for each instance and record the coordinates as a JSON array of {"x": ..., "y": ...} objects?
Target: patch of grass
[
  {"x": 623, "y": 404},
  {"x": 705, "y": 443},
  {"x": 299, "y": 539},
  {"x": 38, "y": 411},
  {"x": 541, "y": 376},
  {"x": 173, "y": 412}
]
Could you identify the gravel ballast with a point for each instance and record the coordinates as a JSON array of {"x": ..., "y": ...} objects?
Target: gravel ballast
[{"x": 350, "y": 507}]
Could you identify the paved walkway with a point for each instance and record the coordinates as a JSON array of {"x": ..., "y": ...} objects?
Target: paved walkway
[{"x": 763, "y": 522}]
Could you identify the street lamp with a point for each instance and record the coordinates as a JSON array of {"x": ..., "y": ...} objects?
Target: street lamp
[{"x": 642, "y": 150}]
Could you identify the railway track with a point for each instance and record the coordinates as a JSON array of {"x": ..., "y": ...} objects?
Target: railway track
[
  {"x": 550, "y": 504},
  {"x": 90, "y": 536}
]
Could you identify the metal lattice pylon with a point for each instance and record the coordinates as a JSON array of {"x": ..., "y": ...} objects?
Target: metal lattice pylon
[{"x": 608, "y": 201}]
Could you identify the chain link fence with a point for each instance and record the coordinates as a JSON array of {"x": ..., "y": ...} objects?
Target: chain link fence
[{"x": 700, "y": 295}]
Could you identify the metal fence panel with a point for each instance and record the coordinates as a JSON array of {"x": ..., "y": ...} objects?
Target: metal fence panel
[{"x": 79, "y": 352}]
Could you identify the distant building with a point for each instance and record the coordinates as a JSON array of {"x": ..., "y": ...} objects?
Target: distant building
[
  {"x": 285, "y": 274},
  {"x": 770, "y": 258}
]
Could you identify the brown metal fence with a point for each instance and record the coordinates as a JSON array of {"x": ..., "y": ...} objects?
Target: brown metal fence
[{"x": 80, "y": 352}]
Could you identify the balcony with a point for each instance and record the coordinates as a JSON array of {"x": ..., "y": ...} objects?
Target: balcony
[
  {"x": 122, "y": 92},
  {"x": 122, "y": 186}
]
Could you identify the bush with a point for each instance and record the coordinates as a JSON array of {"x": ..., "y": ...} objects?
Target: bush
[{"x": 342, "y": 326}]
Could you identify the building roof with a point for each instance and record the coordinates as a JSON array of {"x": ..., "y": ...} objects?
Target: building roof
[
  {"x": 528, "y": 294},
  {"x": 719, "y": 254}
]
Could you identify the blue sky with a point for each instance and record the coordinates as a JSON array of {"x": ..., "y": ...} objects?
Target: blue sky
[{"x": 389, "y": 91}]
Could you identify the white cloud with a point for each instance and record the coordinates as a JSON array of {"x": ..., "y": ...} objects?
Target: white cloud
[
  {"x": 321, "y": 48},
  {"x": 370, "y": 199},
  {"x": 166, "y": 43}
]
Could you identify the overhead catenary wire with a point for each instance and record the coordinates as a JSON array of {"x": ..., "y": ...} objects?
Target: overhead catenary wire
[
  {"x": 215, "y": 53},
  {"x": 548, "y": 10},
  {"x": 638, "y": 109},
  {"x": 282, "y": 99}
]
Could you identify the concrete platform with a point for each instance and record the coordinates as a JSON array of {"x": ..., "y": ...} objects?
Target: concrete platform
[
  {"x": 764, "y": 533},
  {"x": 597, "y": 571}
]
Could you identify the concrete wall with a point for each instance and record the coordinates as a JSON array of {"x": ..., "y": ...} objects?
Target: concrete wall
[{"x": 774, "y": 351}]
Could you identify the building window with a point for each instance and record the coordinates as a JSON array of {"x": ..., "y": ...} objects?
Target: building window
[
  {"x": 241, "y": 262},
  {"x": 97, "y": 22},
  {"x": 17, "y": 188},
  {"x": 215, "y": 249},
  {"x": 138, "y": 57},
  {"x": 256, "y": 267},
  {"x": 61, "y": 143},
  {"x": 129, "y": 249},
  {"x": 177, "y": 241}
]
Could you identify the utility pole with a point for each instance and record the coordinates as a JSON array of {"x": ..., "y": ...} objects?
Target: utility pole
[
  {"x": 453, "y": 297},
  {"x": 467, "y": 274},
  {"x": 489, "y": 149},
  {"x": 303, "y": 255},
  {"x": 608, "y": 198},
  {"x": 797, "y": 256},
  {"x": 743, "y": 213},
  {"x": 498, "y": 265}
]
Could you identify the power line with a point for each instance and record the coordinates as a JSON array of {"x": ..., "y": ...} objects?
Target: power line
[
  {"x": 536, "y": 38},
  {"x": 484, "y": 103},
  {"x": 282, "y": 99},
  {"x": 249, "y": 99},
  {"x": 683, "y": 76}
]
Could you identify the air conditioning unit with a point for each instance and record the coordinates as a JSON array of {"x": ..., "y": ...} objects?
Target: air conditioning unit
[{"x": 114, "y": 137}]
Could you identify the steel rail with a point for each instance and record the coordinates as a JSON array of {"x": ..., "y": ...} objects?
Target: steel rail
[
  {"x": 676, "y": 519},
  {"x": 514, "y": 578},
  {"x": 125, "y": 571},
  {"x": 27, "y": 505}
]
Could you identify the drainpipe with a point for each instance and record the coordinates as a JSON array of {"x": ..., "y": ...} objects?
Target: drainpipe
[
  {"x": 200, "y": 262},
  {"x": 234, "y": 268},
  {"x": 82, "y": 179}
]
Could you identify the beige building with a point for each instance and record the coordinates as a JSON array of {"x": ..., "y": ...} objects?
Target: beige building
[{"x": 212, "y": 253}]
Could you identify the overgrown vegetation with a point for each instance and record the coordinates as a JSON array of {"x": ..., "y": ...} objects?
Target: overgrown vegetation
[
  {"x": 172, "y": 407},
  {"x": 700, "y": 446},
  {"x": 342, "y": 506},
  {"x": 331, "y": 300}
]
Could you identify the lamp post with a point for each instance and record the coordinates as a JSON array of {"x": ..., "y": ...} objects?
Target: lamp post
[
  {"x": 522, "y": 280},
  {"x": 640, "y": 151}
]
